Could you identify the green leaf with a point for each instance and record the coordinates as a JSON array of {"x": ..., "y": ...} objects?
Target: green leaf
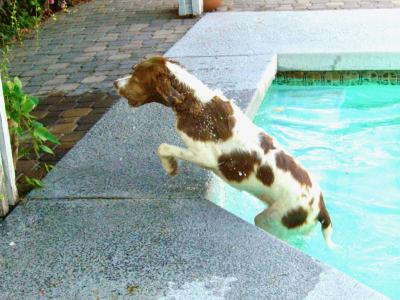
[
  {"x": 23, "y": 152},
  {"x": 37, "y": 182},
  {"x": 34, "y": 182},
  {"x": 6, "y": 89},
  {"x": 35, "y": 100},
  {"x": 17, "y": 92},
  {"x": 36, "y": 124},
  {"x": 27, "y": 105},
  {"x": 20, "y": 131},
  {"x": 46, "y": 149},
  {"x": 18, "y": 82},
  {"x": 48, "y": 167},
  {"x": 10, "y": 86},
  {"x": 14, "y": 116},
  {"x": 45, "y": 135}
]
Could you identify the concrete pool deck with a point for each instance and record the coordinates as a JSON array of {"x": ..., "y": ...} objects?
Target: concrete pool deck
[{"x": 110, "y": 223}]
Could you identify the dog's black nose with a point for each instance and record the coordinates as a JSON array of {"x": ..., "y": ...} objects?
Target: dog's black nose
[{"x": 116, "y": 84}]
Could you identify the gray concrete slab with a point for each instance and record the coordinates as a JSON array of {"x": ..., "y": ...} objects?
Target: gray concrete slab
[
  {"x": 148, "y": 249},
  {"x": 307, "y": 40}
]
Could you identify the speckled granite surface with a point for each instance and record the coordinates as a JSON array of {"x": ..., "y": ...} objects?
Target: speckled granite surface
[{"x": 86, "y": 248}]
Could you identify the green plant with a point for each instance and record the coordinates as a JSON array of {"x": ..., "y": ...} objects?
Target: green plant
[
  {"x": 16, "y": 15},
  {"x": 24, "y": 129},
  {"x": 29, "y": 138}
]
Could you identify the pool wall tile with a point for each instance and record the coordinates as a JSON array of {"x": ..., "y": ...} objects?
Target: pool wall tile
[{"x": 337, "y": 78}]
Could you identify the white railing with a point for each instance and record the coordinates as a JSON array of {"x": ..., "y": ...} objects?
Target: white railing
[{"x": 8, "y": 189}]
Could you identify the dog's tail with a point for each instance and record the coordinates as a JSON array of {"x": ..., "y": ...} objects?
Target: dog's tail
[{"x": 326, "y": 223}]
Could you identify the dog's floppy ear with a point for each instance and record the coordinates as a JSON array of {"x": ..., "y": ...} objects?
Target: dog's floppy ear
[{"x": 169, "y": 95}]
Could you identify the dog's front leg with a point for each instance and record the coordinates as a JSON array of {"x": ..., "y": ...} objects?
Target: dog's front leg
[{"x": 168, "y": 153}]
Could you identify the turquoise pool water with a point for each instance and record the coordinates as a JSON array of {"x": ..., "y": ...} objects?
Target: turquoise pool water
[{"x": 349, "y": 138}]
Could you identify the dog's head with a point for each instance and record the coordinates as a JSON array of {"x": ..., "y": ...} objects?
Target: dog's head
[{"x": 150, "y": 82}]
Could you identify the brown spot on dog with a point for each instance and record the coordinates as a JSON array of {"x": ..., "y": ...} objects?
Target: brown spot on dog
[
  {"x": 295, "y": 218},
  {"x": 237, "y": 166},
  {"x": 211, "y": 121},
  {"x": 266, "y": 142},
  {"x": 323, "y": 216},
  {"x": 149, "y": 83},
  {"x": 265, "y": 175},
  {"x": 286, "y": 163},
  {"x": 311, "y": 201}
]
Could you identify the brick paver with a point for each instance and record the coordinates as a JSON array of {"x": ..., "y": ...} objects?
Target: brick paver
[{"x": 72, "y": 64}]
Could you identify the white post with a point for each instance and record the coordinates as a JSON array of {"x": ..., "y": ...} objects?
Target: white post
[
  {"x": 197, "y": 7},
  {"x": 185, "y": 7},
  {"x": 190, "y": 7},
  {"x": 3, "y": 200},
  {"x": 10, "y": 189}
]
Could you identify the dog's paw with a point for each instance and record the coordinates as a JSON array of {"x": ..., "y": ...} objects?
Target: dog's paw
[
  {"x": 170, "y": 165},
  {"x": 168, "y": 162}
]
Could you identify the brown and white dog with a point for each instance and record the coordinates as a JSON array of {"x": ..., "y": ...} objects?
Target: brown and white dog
[{"x": 220, "y": 138}]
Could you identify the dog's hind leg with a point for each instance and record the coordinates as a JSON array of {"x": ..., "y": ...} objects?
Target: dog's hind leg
[
  {"x": 169, "y": 153},
  {"x": 269, "y": 220},
  {"x": 261, "y": 219},
  {"x": 326, "y": 223}
]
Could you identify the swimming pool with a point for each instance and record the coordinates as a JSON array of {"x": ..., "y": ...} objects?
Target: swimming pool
[{"x": 349, "y": 138}]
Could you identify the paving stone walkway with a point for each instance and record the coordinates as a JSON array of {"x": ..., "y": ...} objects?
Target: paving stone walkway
[{"x": 73, "y": 61}]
